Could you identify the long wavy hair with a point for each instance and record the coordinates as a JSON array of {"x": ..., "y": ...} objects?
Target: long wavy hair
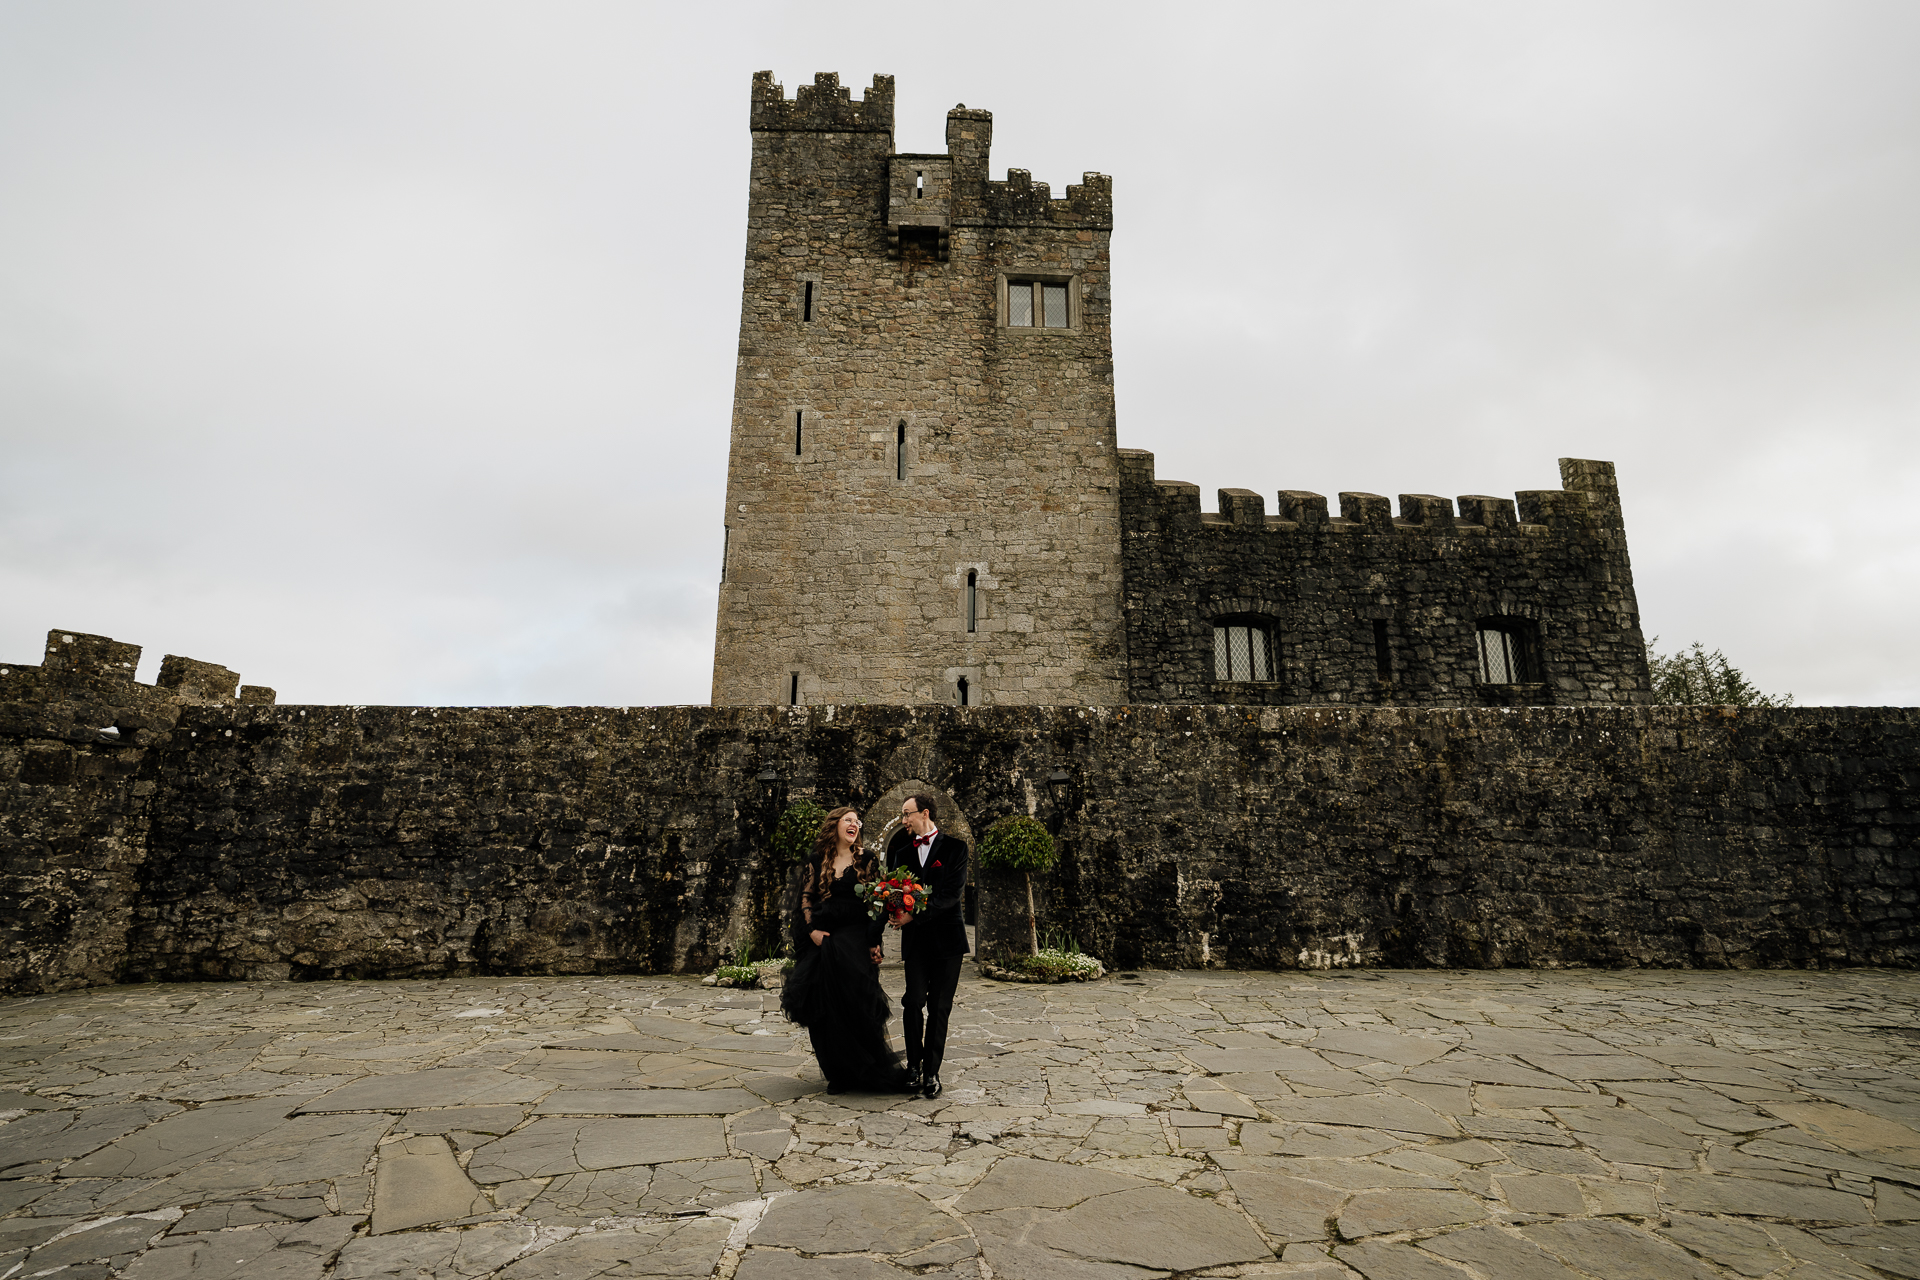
[{"x": 826, "y": 842}]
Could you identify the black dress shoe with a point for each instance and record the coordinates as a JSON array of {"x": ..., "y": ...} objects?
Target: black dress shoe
[
  {"x": 915, "y": 1081},
  {"x": 930, "y": 1087}
]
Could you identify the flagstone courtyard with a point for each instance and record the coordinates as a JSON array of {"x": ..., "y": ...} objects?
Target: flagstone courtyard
[{"x": 1421, "y": 1125}]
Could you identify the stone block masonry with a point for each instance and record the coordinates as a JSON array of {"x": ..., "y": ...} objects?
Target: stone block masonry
[
  {"x": 921, "y": 484},
  {"x": 222, "y": 839},
  {"x": 926, "y": 502}
]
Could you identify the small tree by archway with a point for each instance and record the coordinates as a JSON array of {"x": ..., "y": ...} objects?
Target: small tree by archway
[{"x": 1019, "y": 843}]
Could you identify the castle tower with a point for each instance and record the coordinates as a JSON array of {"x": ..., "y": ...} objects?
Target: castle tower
[{"x": 922, "y": 486}]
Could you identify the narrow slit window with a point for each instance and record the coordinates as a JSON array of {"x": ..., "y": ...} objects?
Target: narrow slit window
[
  {"x": 1242, "y": 651},
  {"x": 960, "y": 688},
  {"x": 900, "y": 452},
  {"x": 798, "y": 414},
  {"x": 919, "y": 184},
  {"x": 1382, "y": 652},
  {"x": 793, "y": 689},
  {"x": 973, "y": 600},
  {"x": 806, "y": 304},
  {"x": 726, "y": 547}
]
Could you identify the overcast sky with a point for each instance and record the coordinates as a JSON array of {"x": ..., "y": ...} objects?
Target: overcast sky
[{"x": 384, "y": 351}]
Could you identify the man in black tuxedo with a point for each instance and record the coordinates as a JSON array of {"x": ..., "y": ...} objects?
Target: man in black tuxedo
[{"x": 932, "y": 943}]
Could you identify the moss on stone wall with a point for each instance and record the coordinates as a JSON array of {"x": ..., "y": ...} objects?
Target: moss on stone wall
[{"x": 261, "y": 841}]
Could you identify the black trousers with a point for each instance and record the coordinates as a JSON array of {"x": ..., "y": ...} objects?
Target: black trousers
[{"x": 930, "y": 987}]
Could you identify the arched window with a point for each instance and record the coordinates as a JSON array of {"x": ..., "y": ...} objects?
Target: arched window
[
  {"x": 973, "y": 600},
  {"x": 960, "y": 689},
  {"x": 1243, "y": 650},
  {"x": 1509, "y": 651}
]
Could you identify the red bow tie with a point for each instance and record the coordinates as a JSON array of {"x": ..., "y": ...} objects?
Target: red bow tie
[{"x": 923, "y": 839}]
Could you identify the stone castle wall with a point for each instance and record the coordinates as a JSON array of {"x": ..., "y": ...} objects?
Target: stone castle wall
[
  {"x": 222, "y": 839},
  {"x": 860, "y": 342},
  {"x": 1368, "y": 609},
  {"x": 75, "y": 732}
]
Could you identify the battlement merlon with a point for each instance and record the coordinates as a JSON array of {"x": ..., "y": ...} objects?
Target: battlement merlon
[
  {"x": 1022, "y": 202},
  {"x": 76, "y": 659},
  {"x": 78, "y": 655},
  {"x": 821, "y": 107},
  {"x": 1589, "y": 501},
  {"x": 1598, "y": 482},
  {"x": 1019, "y": 201}
]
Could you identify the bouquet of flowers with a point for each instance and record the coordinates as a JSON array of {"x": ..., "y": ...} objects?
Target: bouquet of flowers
[{"x": 899, "y": 897}]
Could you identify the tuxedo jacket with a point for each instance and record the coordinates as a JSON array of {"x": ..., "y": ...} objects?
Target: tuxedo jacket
[{"x": 940, "y": 930}]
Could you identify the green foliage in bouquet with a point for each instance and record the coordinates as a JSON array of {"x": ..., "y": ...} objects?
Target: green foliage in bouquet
[
  {"x": 892, "y": 895},
  {"x": 1018, "y": 843},
  {"x": 793, "y": 834}
]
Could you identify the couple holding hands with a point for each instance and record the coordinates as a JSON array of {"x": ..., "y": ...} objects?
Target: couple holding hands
[{"x": 834, "y": 988}]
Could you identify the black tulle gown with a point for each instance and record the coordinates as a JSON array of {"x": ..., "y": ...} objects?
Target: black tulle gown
[{"x": 834, "y": 991}]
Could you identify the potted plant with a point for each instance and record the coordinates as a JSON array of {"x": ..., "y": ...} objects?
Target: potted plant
[{"x": 1019, "y": 843}]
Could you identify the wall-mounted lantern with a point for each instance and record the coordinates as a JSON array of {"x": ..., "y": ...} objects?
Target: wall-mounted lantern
[{"x": 1057, "y": 783}]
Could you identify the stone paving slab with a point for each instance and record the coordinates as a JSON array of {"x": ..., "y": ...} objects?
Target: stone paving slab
[
  {"x": 646, "y": 1102},
  {"x": 434, "y": 1087},
  {"x": 419, "y": 1181},
  {"x": 1508, "y": 1125}
]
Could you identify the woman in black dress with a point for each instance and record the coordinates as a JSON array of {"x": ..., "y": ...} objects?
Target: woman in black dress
[{"x": 834, "y": 989}]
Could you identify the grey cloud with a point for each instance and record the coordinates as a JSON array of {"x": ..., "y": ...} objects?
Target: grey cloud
[{"x": 386, "y": 354}]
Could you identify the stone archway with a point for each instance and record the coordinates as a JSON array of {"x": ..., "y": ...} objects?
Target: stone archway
[
  {"x": 947, "y": 815},
  {"x": 884, "y": 813}
]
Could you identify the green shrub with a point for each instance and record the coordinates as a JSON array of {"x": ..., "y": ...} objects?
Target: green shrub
[
  {"x": 1017, "y": 843},
  {"x": 1058, "y": 962},
  {"x": 793, "y": 834}
]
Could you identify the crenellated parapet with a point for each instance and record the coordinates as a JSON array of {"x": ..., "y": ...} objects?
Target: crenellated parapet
[
  {"x": 1419, "y": 600},
  {"x": 1588, "y": 501},
  {"x": 821, "y": 107},
  {"x": 1022, "y": 202},
  {"x": 84, "y": 691}
]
